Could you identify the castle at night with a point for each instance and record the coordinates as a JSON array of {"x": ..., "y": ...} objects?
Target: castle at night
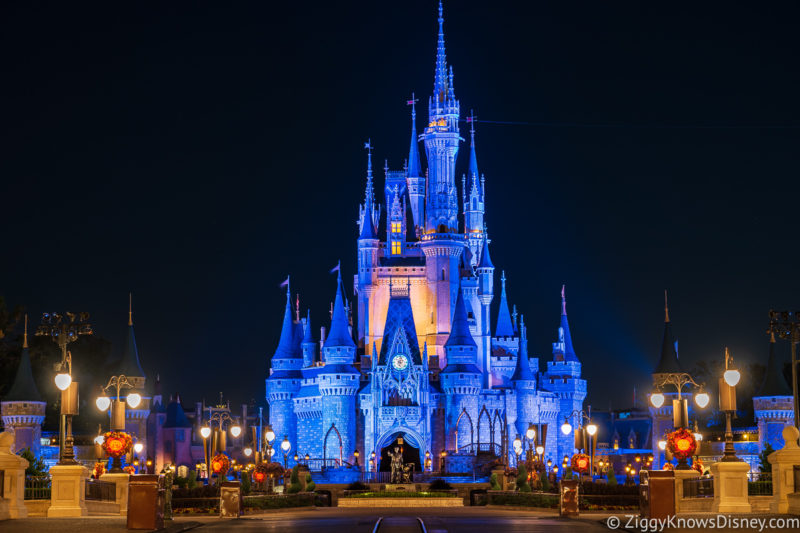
[{"x": 415, "y": 352}]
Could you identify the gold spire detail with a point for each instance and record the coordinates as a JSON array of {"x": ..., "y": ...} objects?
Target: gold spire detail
[
  {"x": 666, "y": 307},
  {"x": 130, "y": 309},
  {"x": 25, "y": 334}
]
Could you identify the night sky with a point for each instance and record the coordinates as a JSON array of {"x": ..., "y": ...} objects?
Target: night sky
[{"x": 197, "y": 154}]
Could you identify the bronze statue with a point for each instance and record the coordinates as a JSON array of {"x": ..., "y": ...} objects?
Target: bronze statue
[{"x": 397, "y": 465}]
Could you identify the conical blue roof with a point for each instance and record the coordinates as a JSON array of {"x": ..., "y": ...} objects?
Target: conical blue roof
[
  {"x": 668, "y": 361},
  {"x": 774, "y": 383},
  {"x": 340, "y": 332},
  {"x": 176, "y": 416},
  {"x": 24, "y": 387},
  {"x": 414, "y": 166},
  {"x": 523, "y": 372},
  {"x": 130, "y": 358},
  {"x": 486, "y": 260},
  {"x": 287, "y": 346},
  {"x": 569, "y": 351},
  {"x": 459, "y": 332},
  {"x": 307, "y": 338},
  {"x": 473, "y": 158},
  {"x": 505, "y": 327}
]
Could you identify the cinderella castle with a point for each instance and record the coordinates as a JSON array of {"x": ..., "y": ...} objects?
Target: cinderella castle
[{"x": 415, "y": 356}]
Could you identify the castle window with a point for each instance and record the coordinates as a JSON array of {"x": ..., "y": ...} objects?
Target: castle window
[
  {"x": 396, "y": 248},
  {"x": 396, "y": 227}
]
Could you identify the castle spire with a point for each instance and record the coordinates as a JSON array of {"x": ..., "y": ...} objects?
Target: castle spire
[
  {"x": 130, "y": 358},
  {"x": 666, "y": 307},
  {"x": 286, "y": 345},
  {"x": 504, "y": 327},
  {"x": 564, "y": 334},
  {"x": 774, "y": 384},
  {"x": 368, "y": 230},
  {"x": 668, "y": 361},
  {"x": 24, "y": 387},
  {"x": 130, "y": 308},
  {"x": 523, "y": 372},
  {"x": 414, "y": 166},
  {"x": 473, "y": 158},
  {"x": 440, "y": 77},
  {"x": 340, "y": 333},
  {"x": 459, "y": 333}
]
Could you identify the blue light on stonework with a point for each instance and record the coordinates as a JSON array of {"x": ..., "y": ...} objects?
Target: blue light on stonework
[{"x": 368, "y": 386}]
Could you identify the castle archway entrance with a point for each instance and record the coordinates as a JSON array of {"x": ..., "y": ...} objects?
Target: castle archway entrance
[{"x": 409, "y": 444}]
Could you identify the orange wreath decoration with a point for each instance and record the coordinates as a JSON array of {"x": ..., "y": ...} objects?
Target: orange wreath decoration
[
  {"x": 580, "y": 463},
  {"x": 117, "y": 443},
  {"x": 681, "y": 443},
  {"x": 220, "y": 464},
  {"x": 260, "y": 473}
]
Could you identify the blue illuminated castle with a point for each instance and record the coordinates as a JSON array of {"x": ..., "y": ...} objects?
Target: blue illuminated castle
[{"x": 414, "y": 356}]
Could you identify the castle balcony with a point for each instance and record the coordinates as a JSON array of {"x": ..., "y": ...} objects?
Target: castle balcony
[{"x": 411, "y": 413}]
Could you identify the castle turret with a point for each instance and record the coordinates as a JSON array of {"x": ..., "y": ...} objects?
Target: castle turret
[
  {"x": 563, "y": 377},
  {"x": 524, "y": 380},
  {"x": 23, "y": 407},
  {"x": 505, "y": 327},
  {"x": 460, "y": 380},
  {"x": 773, "y": 403},
  {"x": 338, "y": 385},
  {"x": 135, "y": 418},
  {"x": 283, "y": 382},
  {"x": 473, "y": 193},
  {"x": 368, "y": 249},
  {"x": 415, "y": 177},
  {"x": 309, "y": 347}
]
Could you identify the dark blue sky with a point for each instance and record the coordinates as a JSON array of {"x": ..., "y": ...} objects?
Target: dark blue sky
[{"x": 196, "y": 154}]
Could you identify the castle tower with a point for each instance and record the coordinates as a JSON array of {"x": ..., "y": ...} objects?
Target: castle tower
[
  {"x": 485, "y": 272},
  {"x": 309, "y": 347},
  {"x": 473, "y": 197},
  {"x": 505, "y": 326},
  {"x": 396, "y": 224},
  {"x": 441, "y": 146},
  {"x": 23, "y": 407},
  {"x": 460, "y": 381},
  {"x": 338, "y": 384},
  {"x": 524, "y": 380},
  {"x": 415, "y": 178},
  {"x": 773, "y": 404},
  {"x": 368, "y": 248},
  {"x": 564, "y": 378},
  {"x": 283, "y": 382},
  {"x": 667, "y": 364},
  {"x": 135, "y": 418}
]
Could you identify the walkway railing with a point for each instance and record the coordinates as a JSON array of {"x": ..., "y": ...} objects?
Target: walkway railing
[
  {"x": 101, "y": 490},
  {"x": 698, "y": 487},
  {"x": 759, "y": 483},
  {"x": 476, "y": 447},
  {"x": 37, "y": 487}
]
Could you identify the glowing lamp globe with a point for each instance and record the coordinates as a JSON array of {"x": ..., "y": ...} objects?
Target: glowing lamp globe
[
  {"x": 566, "y": 428},
  {"x": 732, "y": 377},
  {"x": 138, "y": 447},
  {"x": 248, "y": 451},
  {"x": 517, "y": 443},
  {"x": 271, "y": 452},
  {"x": 99, "y": 440},
  {"x": 540, "y": 450},
  {"x": 236, "y": 431},
  {"x": 205, "y": 432},
  {"x": 133, "y": 399},
  {"x": 698, "y": 436},
  {"x": 702, "y": 399},
  {"x": 531, "y": 432},
  {"x": 286, "y": 445},
  {"x": 662, "y": 445},
  {"x": 63, "y": 381},
  {"x": 657, "y": 400},
  {"x": 103, "y": 403},
  {"x": 269, "y": 434},
  {"x": 591, "y": 429}
]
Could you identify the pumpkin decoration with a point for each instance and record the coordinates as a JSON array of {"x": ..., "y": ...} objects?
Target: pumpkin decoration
[
  {"x": 260, "y": 473},
  {"x": 99, "y": 469},
  {"x": 220, "y": 464},
  {"x": 681, "y": 443},
  {"x": 117, "y": 443},
  {"x": 130, "y": 469},
  {"x": 580, "y": 463}
]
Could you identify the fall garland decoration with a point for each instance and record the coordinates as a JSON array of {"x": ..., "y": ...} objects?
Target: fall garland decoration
[
  {"x": 681, "y": 443},
  {"x": 130, "y": 469},
  {"x": 220, "y": 464},
  {"x": 117, "y": 443},
  {"x": 580, "y": 463},
  {"x": 99, "y": 469}
]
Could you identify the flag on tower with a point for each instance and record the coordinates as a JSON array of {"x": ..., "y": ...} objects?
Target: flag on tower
[
  {"x": 285, "y": 283},
  {"x": 336, "y": 268}
]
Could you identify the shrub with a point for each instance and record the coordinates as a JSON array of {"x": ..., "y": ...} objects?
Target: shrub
[
  {"x": 192, "y": 480},
  {"x": 546, "y": 483},
  {"x": 246, "y": 484},
  {"x": 494, "y": 483},
  {"x": 36, "y": 466},
  {"x": 310, "y": 485},
  {"x": 439, "y": 484},
  {"x": 522, "y": 479},
  {"x": 612, "y": 478},
  {"x": 295, "y": 486}
]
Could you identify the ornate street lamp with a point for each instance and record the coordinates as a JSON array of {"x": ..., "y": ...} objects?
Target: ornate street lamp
[
  {"x": 727, "y": 403},
  {"x": 286, "y": 446},
  {"x": 63, "y": 332},
  {"x": 581, "y": 442}
]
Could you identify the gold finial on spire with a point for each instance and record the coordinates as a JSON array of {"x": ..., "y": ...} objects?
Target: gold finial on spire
[
  {"x": 771, "y": 336},
  {"x": 130, "y": 309},
  {"x": 25, "y": 334},
  {"x": 666, "y": 307}
]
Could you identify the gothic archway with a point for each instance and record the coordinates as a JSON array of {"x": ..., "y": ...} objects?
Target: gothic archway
[{"x": 325, "y": 446}]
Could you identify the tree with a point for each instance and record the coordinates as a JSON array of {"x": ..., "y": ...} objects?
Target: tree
[
  {"x": 522, "y": 479},
  {"x": 612, "y": 477},
  {"x": 495, "y": 485},
  {"x": 295, "y": 486},
  {"x": 764, "y": 465},
  {"x": 36, "y": 466},
  {"x": 310, "y": 485}
]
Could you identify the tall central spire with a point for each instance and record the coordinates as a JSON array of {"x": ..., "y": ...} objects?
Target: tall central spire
[{"x": 440, "y": 77}]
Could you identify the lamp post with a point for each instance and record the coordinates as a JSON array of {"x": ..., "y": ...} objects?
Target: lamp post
[
  {"x": 269, "y": 436},
  {"x": 427, "y": 461},
  {"x": 787, "y": 326},
  {"x": 117, "y": 406},
  {"x": 680, "y": 407},
  {"x": 517, "y": 448},
  {"x": 727, "y": 403},
  {"x": 205, "y": 432},
  {"x": 355, "y": 454},
  {"x": 580, "y": 434},
  {"x": 62, "y": 333},
  {"x": 372, "y": 464},
  {"x": 220, "y": 417},
  {"x": 286, "y": 446}
]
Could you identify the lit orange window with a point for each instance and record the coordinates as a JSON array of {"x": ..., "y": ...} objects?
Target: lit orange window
[
  {"x": 395, "y": 247},
  {"x": 396, "y": 227}
]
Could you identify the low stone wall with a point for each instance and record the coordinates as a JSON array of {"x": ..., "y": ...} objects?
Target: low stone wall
[
  {"x": 401, "y": 502},
  {"x": 695, "y": 505},
  {"x": 97, "y": 508},
  {"x": 760, "y": 504},
  {"x": 37, "y": 507}
]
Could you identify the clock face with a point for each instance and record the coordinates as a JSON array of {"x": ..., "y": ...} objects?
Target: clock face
[{"x": 400, "y": 362}]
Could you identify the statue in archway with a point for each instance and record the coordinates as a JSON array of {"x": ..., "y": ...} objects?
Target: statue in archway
[{"x": 397, "y": 464}]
